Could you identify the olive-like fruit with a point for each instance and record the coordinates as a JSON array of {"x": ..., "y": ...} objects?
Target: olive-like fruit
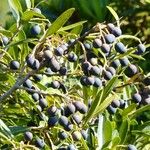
[
  {"x": 76, "y": 135},
  {"x": 28, "y": 84},
  {"x": 35, "y": 96},
  {"x": 136, "y": 98},
  {"x": 35, "y": 30},
  {"x": 120, "y": 48},
  {"x": 131, "y": 147},
  {"x": 62, "y": 135},
  {"x": 14, "y": 65},
  {"x": 28, "y": 136},
  {"x": 52, "y": 121},
  {"x": 39, "y": 143},
  {"x": 97, "y": 43}
]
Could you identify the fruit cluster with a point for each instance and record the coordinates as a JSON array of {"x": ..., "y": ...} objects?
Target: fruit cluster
[{"x": 102, "y": 56}]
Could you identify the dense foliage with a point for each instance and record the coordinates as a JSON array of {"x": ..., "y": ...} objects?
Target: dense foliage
[{"x": 62, "y": 87}]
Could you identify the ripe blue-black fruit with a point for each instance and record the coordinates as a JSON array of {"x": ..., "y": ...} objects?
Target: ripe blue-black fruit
[
  {"x": 111, "y": 70},
  {"x": 37, "y": 10},
  {"x": 28, "y": 84},
  {"x": 116, "y": 31},
  {"x": 68, "y": 127},
  {"x": 90, "y": 80},
  {"x": 48, "y": 54},
  {"x": 93, "y": 61},
  {"x": 122, "y": 103},
  {"x": 14, "y": 65},
  {"x": 62, "y": 135},
  {"x": 115, "y": 63},
  {"x": 107, "y": 75},
  {"x": 35, "y": 96},
  {"x": 54, "y": 65},
  {"x": 37, "y": 77},
  {"x": 140, "y": 49},
  {"x": 146, "y": 101},
  {"x": 64, "y": 46},
  {"x": 5, "y": 40},
  {"x": 84, "y": 134},
  {"x": 136, "y": 98},
  {"x": 124, "y": 61},
  {"x": 39, "y": 143},
  {"x": 96, "y": 70},
  {"x": 55, "y": 84},
  {"x": 111, "y": 109},
  {"x": 105, "y": 48},
  {"x": 71, "y": 41},
  {"x": 120, "y": 48},
  {"x": 87, "y": 45},
  {"x": 131, "y": 70},
  {"x": 115, "y": 103},
  {"x": 69, "y": 109},
  {"x": 76, "y": 135},
  {"x": 63, "y": 71},
  {"x": 52, "y": 121},
  {"x": 52, "y": 110},
  {"x": 97, "y": 82},
  {"x": 48, "y": 71},
  {"x": 30, "y": 60},
  {"x": 110, "y": 38},
  {"x": 71, "y": 147},
  {"x": 72, "y": 57},
  {"x": 43, "y": 102},
  {"x": 97, "y": 43},
  {"x": 146, "y": 81},
  {"x": 86, "y": 66},
  {"x": 81, "y": 107},
  {"x": 83, "y": 80},
  {"x": 35, "y": 65},
  {"x": 131, "y": 147},
  {"x": 59, "y": 51},
  {"x": 28, "y": 136},
  {"x": 63, "y": 121},
  {"x": 35, "y": 30},
  {"x": 76, "y": 118},
  {"x": 63, "y": 88},
  {"x": 110, "y": 26}
]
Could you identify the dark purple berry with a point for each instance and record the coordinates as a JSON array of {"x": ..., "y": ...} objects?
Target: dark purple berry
[
  {"x": 69, "y": 109},
  {"x": 72, "y": 57},
  {"x": 52, "y": 111},
  {"x": 83, "y": 80},
  {"x": 115, "y": 63},
  {"x": 84, "y": 134},
  {"x": 131, "y": 147},
  {"x": 90, "y": 80},
  {"x": 115, "y": 103},
  {"x": 37, "y": 77},
  {"x": 39, "y": 143},
  {"x": 35, "y": 30},
  {"x": 63, "y": 71},
  {"x": 68, "y": 127},
  {"x": 122, "y": 103},
  {"x": 35, "y": 65},
  {"x": 120, "y": 48},
  {"x": 43, "y": 102},
  {"x": 105, "y": 48},
  {"x": 131, "y": 70},
  {"x": 5, "y": 40},
  {"x": 97, "y": 82},
  {"x": 54, "y": 65},
  {"x": 59, "y": 51},
  {"x": 30, "y": 60},
  {"x": 111, "y": 70},
  {"x": 28, "y": 84},
  {"x": 146, "y": 81},
  {"x": 52, "y": 121},
  {"x": 76, "y": 135},
  {"x": 110, "y": 38},
  {"x": 63, "y": 121},
  {"x": 71, "y": 147},
  {"x": 110, "y": 27},
  {"x": 35, "y": 96},
  {"x": 95, "y": 70},
  {"x": 116, "y": 31},
  {"x": 14, "y": 65},
  {"x": 62, "y": 135},
  {"x": 48, "y": 54},
  {"x": 97, "y": 43},
  {"x": 107, "y": 75},
  {"x": 55, "y": 84},
  {"x": 111, "y": 109},
  {"x": 76, "y": 118},
  {"x": 136, "y": 98},
  {"x": 28, "y": 136},
  {"x": 140, "y": 49},
  {"x": 124, "y": 61},
  {"x": 87, "y": 46}
]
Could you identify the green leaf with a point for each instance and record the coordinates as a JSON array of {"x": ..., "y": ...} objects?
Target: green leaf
[
  {"x": 114, "y": 14},
  {"x": 59, "y": 22},
  {"x": 72, "y": 26},
  {"x": 18, "y": 129},
  {"x": 128, "y": 110},
  {"x": 29, "y": 14},
  {"x": 123, "y": 131},
  {"x": 116, "y": 141},
  {"x": 28, "y": 3},
  {"x": 6, "y": 32},
  {"x": 15, "y": 7},
  {"x": 107, "y": 128},
  {"x": 77, "y": 30}
]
